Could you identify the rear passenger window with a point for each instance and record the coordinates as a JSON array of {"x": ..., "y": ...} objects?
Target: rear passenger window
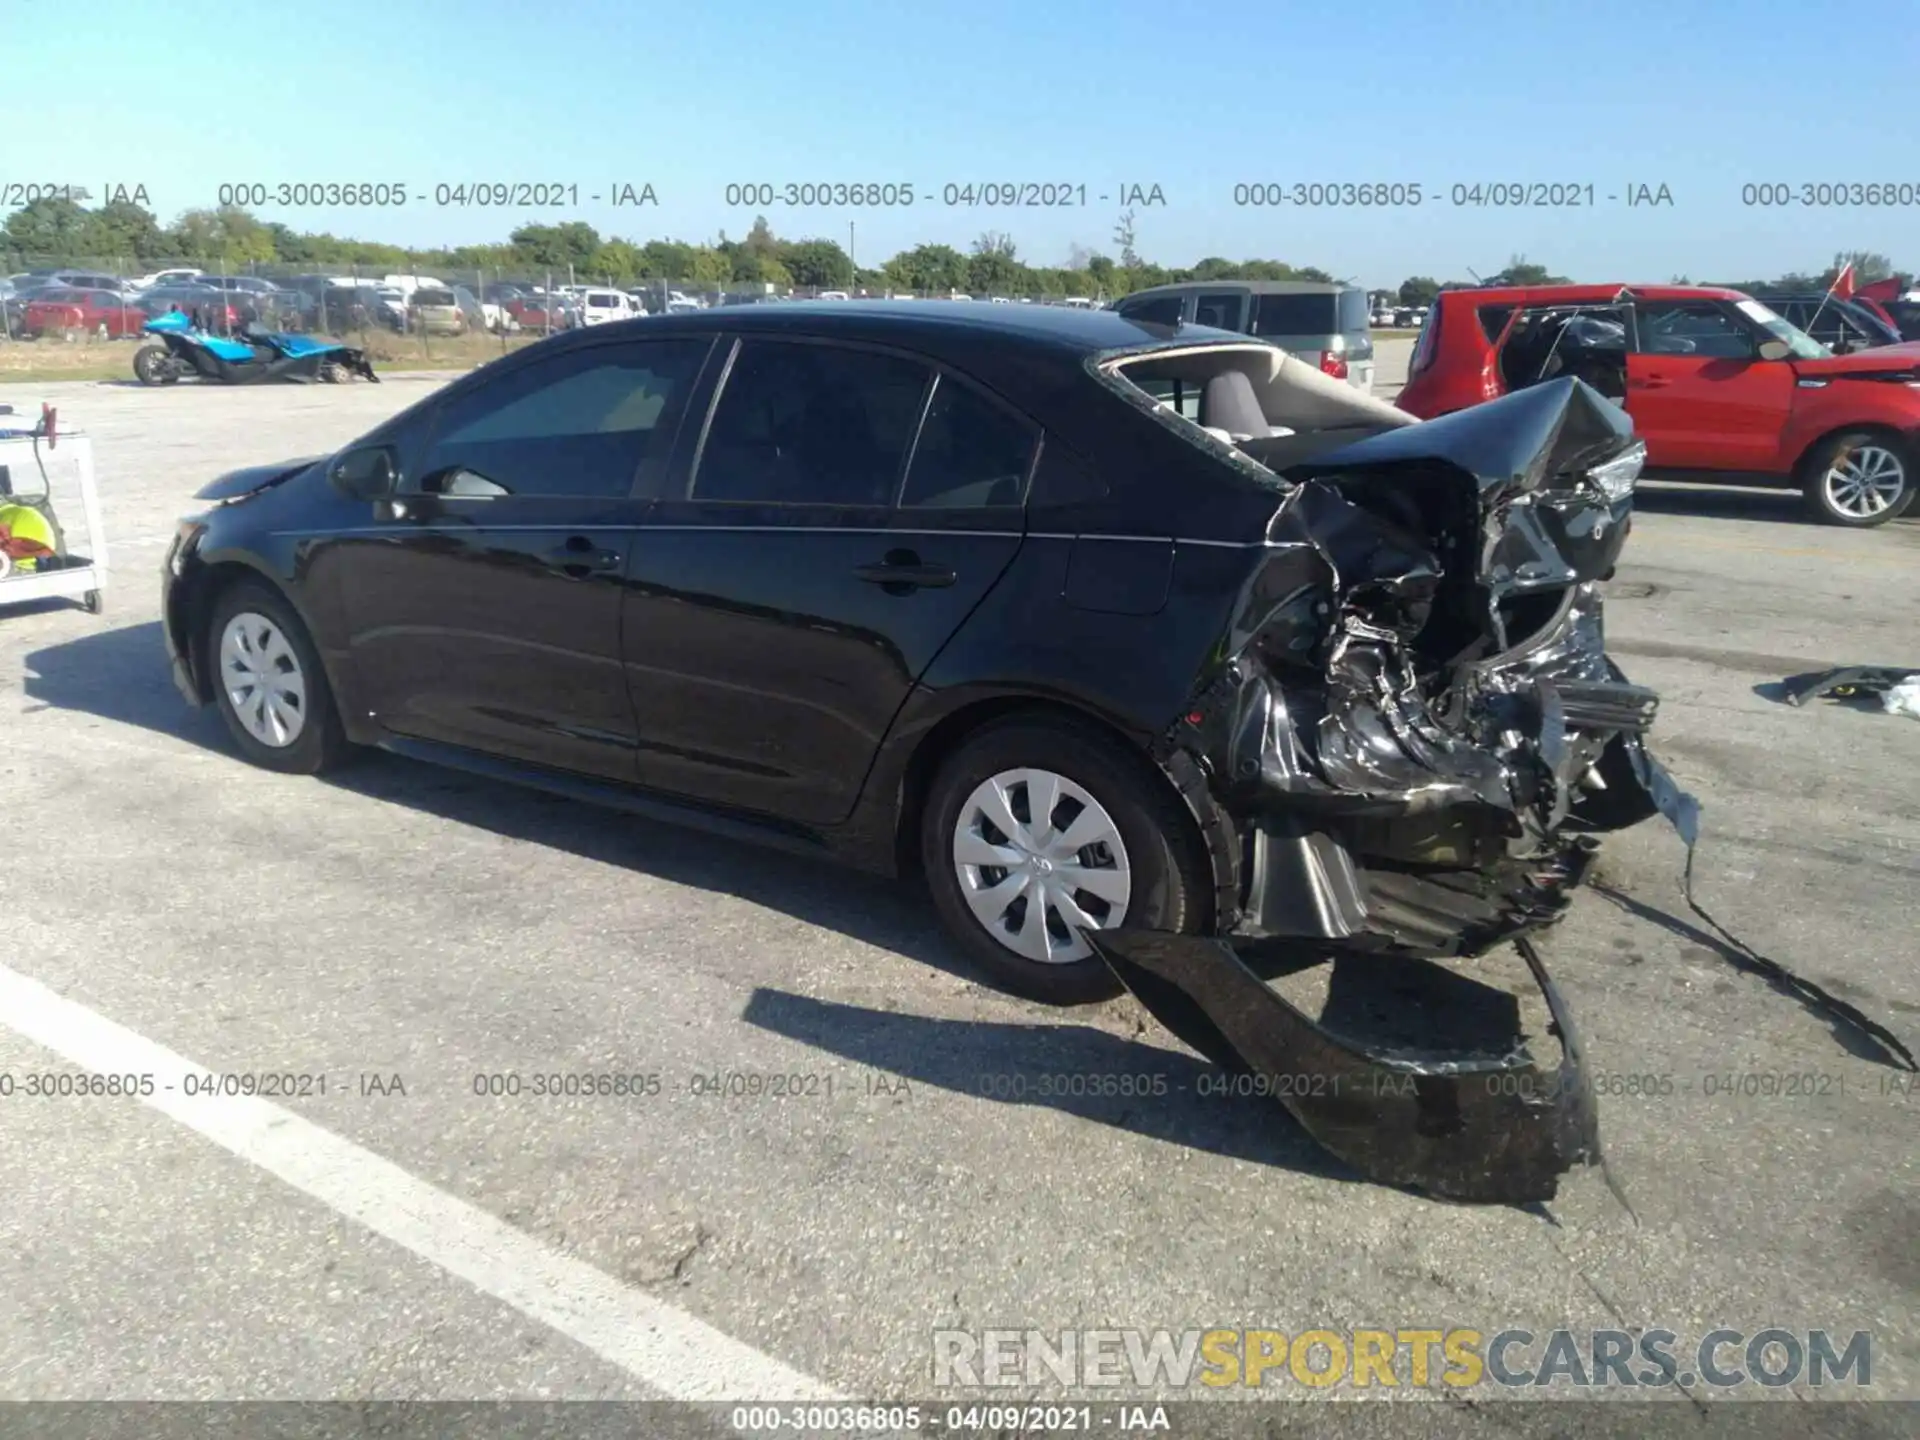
[
  {"x": 972, "y": 453},
  {"x": 801, "y": 424}
]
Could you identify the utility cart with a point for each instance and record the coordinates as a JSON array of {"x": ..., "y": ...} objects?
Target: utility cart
[{"x": 52, "y": 539}]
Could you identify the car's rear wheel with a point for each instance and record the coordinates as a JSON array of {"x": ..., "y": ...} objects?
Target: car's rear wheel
[
  {"x": 1859, "y": 479},
  {"x": 269, "y": 685},
  {"x": 1037, "y": 828}
]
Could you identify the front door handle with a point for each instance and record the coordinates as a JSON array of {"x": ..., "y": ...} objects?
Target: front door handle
[
  {"x": 902, "y": 571},
  {"x": 579, "y": 557},
  {"x": 1652, "y": 382}
]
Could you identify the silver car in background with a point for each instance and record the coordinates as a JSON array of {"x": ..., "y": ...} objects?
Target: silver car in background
[{"x": 1327, "y": 324}]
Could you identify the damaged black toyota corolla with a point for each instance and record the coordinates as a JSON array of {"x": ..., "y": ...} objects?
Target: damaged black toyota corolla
[{"x": 1160, "y": 653}]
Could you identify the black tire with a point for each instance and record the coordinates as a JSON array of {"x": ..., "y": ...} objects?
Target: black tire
[
  {"x": 319, "y": 743},
  {"x": 1872, "y": 445},
  {"x": 153, "y": 365},
  {"x": 1170, "y": 885}
]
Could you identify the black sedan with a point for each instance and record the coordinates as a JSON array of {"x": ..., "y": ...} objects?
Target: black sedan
[{"x": 1145, "y": 647}]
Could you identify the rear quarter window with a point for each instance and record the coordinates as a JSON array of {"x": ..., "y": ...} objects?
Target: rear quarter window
[{"x": 1493, "y": 319}]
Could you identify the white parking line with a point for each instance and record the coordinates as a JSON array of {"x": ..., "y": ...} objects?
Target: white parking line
[{"x": 666, "y": 1349}]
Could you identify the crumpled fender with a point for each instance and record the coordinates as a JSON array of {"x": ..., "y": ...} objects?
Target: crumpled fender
[{"x": 1418, "y": 644}]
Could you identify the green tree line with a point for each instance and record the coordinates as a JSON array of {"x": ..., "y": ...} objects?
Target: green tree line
[
  {"x": 53, "y": 229},
  {"x": 60, "y": 229}
]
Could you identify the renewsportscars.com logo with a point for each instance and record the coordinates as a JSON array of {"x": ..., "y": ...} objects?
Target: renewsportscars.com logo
[{"x": 1412, "y": 1358}]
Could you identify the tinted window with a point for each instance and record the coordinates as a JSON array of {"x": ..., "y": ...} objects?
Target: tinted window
[
  {"x": 576, "y": 424},
  {"x": 433, "y": 297},
  {"x": 1220, "y": 311},
  {"x": 1694, "y": 328},
  {"x": 1295, "y": 315},
  {"x": 1158, "y": 310},
  {"x": 1353, "y": 310},
  {"x": 810, "y": 425},
  {"x": 971, "y": 452}
]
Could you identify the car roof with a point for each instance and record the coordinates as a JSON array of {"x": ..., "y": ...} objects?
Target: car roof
[
  {"x": 1584, "y": 294},
  {"x": 1258, "y": 287},
  {"x": 941, "y": 330}
]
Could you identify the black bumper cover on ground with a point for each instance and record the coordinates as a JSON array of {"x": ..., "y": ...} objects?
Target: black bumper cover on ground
[{"x": 1382, "y": 670}]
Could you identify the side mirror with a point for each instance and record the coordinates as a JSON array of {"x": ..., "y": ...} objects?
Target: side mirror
[
  {"x": 1775, "y": 349},
  {"x": 369, "y": 474}
]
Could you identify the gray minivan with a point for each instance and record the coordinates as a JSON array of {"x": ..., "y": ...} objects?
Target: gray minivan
[{"x": 1325, "y": 324}]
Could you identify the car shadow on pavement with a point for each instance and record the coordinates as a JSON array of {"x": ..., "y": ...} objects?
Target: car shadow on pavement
[
  {"x": 1075, "y": 1069},
  {"x": 121, "y": 675},
  {"x": 1733, "y": 502}
]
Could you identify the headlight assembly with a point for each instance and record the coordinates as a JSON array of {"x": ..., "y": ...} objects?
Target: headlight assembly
[{"x": 1616, "y": 477}]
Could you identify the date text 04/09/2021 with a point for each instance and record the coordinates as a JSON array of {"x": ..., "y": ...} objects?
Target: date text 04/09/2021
[
  {"x": 1477, "y": 194},
  {"x": 961, "y": 1419},
  {"x": 464, "y": 194},
  {"x": 972, "y": 194}
]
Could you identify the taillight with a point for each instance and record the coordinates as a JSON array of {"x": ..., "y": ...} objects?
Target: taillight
[{"x": 1333, "y": 363}]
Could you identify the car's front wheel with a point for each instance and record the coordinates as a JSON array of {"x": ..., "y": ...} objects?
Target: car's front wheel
[
  {"x": 269, "y": 685},
  {"x": 1036, "y": 829},
  {"x": 1859, "y": 479}
]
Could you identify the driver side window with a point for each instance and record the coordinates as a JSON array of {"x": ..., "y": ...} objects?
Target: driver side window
[
  {"x": 1694, "y": 327},
  {"x": 579, "y": 424}
]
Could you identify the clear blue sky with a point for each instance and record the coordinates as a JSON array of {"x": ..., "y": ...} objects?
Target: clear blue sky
[{"x": 1699, "y": 95}]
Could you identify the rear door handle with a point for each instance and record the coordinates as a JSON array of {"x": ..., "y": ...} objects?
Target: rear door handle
[
  {"x": 580, "y": 557},
  {"x": 1652, "y": 382},
  {"x": 902, "y": 571}
]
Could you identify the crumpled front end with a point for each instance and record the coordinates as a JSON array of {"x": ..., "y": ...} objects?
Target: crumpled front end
[{"x": 1403, "y": 750}]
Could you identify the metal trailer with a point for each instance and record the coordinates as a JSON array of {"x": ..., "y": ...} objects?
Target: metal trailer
[{"x": 64, "y": 465}]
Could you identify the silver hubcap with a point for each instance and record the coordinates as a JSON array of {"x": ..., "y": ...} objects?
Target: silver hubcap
[
  {"x": 1866, "y": 482},
  {"x": 261, "y": 675},
  {"x": 1039, "y": 859}
]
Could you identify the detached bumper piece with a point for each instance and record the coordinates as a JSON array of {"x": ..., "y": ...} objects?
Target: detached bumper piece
[
  {"x": 1468, "y": 1125},
  {"x": 1847, "y": 683},
  {"x": 1409, "y": 734}
]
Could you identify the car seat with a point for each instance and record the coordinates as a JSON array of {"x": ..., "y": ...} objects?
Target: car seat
[{"x": 1230, "y": 410}]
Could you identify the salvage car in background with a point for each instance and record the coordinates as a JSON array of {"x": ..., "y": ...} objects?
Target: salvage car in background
[
  {"x": 211, "y": 309},
  {"x": 1140, "y": 644},
  {"x": 436, "y": 312},
  {"x": 1327, "y": 325},
  {"x": 1719, "y": 386},
  {"x": 64, "y": 313},
  {"x": 1843, "y": 326}
]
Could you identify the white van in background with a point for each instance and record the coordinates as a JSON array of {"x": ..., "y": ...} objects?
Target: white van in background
[{"x": 602, "y": 306}]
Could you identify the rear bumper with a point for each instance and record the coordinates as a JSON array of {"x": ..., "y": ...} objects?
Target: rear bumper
[
  {"x": 1468, "y": 1124},
  {"x": 1404, "y": 756}
]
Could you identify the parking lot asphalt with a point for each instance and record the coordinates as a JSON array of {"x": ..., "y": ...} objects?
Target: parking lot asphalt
[{"x": 401, "y": 922}]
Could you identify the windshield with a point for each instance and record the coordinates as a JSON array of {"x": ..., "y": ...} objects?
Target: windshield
[{"x": 1802, "y": 346}]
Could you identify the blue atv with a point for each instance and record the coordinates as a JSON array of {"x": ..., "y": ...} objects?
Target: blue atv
[{"x": 256, "y": 354}]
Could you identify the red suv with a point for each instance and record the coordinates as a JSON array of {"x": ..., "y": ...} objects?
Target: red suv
[{"x": 1718, "y": 386}]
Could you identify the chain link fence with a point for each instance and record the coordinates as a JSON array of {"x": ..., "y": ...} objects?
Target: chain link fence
[{"x": 422, "y": 314}]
